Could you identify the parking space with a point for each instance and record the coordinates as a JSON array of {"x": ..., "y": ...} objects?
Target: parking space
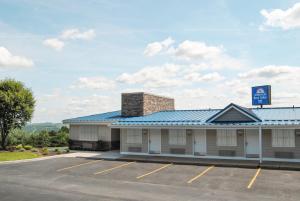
[
  {"x": 283, "y": 183},
  {"x": 193, "y": 177},
  {"x": 131, "y": 172},
  {"x": 45, "y": 167},
  {"x": 226, "y": 178},
  {"x": 205, "y": 177},
  {"x": 174, "y": 175}
]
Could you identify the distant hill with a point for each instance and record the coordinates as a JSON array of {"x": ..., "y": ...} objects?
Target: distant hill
[{"x": 43, "y": 126}]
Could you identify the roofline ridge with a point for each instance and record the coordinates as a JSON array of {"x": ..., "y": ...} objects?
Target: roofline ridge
[
  {"x": 182, "y": 110},
  {"x": 279, "y": 107},
  {"x": 90, "y": 115}
]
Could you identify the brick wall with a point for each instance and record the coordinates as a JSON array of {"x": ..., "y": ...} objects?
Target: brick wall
[{"x": 139, "y": 104}]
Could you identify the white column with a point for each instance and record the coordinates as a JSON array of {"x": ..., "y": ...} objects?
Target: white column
[{"x": 260, "y": 144}]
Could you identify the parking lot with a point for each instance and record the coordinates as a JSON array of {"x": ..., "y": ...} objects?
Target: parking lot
[{"x": 135, "y": 181}]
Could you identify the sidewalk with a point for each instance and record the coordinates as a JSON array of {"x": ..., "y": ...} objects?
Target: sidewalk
[
  {"x": 192, "y": 161},
  {"x": 72, "y": 154},
  {"x": 215, "y": 162}
]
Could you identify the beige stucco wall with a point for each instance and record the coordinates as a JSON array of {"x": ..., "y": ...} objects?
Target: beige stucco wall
[
  {"x": 213, "y": 149},
  {"x": 211, "y": 143},
  {"x": 166, "y": 147},
  {"x": 90, "y": 132},
  {"x": 269, "y": 151},
  {"x": 124, "y": 146}
]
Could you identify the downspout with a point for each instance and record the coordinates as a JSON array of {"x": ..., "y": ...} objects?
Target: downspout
[{"x": 260, "y": 144}]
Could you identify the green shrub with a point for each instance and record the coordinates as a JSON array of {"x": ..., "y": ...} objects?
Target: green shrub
[
  {"x": 11, "y": 148},
  {"x": 22, "y": 149},
  {"x": 34, "y": 150},
  {"x": 19, "y": 147},
  {"x": 27, "y": 147},
  {"x": 56, "y": 150},
  {"x": 42, "y": 139},
  {"x": 67, "y": 150},
  {"x": 45, "y": 151},
  {"x": 17, "y": 136},
  {"x": 59, "y": 139}
]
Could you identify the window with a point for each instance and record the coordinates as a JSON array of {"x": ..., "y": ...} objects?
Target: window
[
  {"x": 283, "y": 138},
  {"x": 177, "y": 137},
  {"x": 134, "y": 136},
  {"x": 88, "y": 133},
  {"x": 226, "y": 137}
]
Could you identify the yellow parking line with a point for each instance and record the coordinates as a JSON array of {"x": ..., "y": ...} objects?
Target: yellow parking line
[
  {"x": 201, "y": 174},
  {"x": 67, "y": 168},
  {"x": 254, "y": 178},
  {"x": 156, "y": 170},
  {"x": 110, "y": 169}
]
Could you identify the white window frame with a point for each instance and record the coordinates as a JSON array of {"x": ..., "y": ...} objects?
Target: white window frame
[
  {"x": 283, "y": 137},
  {"x": 88, "y": 133},
  {"x": 177, "y": 136},
  {"x": 134, "y": 136},
  {"x": 226, "y": 137}
]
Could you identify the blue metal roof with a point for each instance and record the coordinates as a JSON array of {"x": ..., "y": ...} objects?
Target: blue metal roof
[
  {"x": 96, "y": 118},
  {"x": 269, "y": 116}
]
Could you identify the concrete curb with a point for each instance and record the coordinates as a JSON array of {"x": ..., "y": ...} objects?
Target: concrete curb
[
  {"x": 274, "y": 166},
  {"x": 191, "y": 163}
]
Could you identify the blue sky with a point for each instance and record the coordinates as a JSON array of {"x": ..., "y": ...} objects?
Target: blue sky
[{"x": 78, "y": 56}]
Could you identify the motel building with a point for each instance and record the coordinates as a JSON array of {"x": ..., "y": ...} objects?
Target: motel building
[{"x": 149, "y": 125}]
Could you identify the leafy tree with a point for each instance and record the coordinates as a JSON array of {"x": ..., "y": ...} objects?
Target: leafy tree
[
  {"x": 42, "y": 139},
  {"x": 16, "y": 107},
  {"x": 64, "y": 129},
  {"x": 18, "y": 136}
]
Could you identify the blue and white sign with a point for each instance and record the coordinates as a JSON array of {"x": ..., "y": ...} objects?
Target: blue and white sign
[{"x": 261, "y": 95}]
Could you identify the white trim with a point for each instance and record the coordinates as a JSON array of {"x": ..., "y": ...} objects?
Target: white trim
[
  {"x": 187, "y": 156},
  {"x": 260, "y": 143},
  {"x": 91, "y": 123},
  {"x": 209, "y": 127},
  {"x": 233, "y": 106}
]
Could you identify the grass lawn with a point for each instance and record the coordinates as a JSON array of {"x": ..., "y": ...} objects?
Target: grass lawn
[{"x": 11, "y": 156}]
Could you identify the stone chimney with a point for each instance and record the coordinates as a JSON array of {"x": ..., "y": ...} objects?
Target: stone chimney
[{"x": 140, "y": 104}]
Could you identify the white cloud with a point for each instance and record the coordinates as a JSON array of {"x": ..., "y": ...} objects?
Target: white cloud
[
  {"x": 54, "y": 43},
  {"x": 156, "y": 47},
  {"x": 72, "y": 105},
  {"x": 209, "y": 77},
  {"x": 270, "y": 71},
  {"x": 154, "y": 76},
  {"x": 70, "y": 34},
  {"x": 214, "y": 57},
  {"x": 284, "y": 81},
  {"x": 285, "y": 19},
  {"x": 77, "y": 34},
  {"x": 195, "y": 52},
  {"x": 99, "y": 83},
  {"x": 194, "y": 93},
  {"x": 9, "y": 60},
  {"x": 190, "y": 50}
]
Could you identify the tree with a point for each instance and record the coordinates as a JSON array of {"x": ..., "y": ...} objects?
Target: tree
[
  {"x": 16, "y": 107},
  {"x": 64, "y": 129}
]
